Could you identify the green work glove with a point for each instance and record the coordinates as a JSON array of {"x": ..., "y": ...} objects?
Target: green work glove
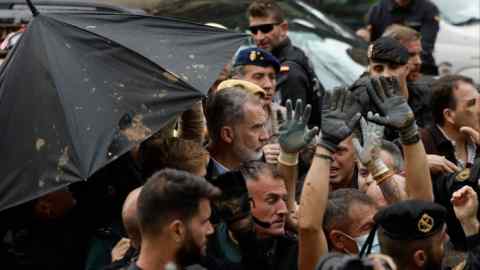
[
  {"x": 294, "y": 133},
  {"x": 339, "y": 118},
  {"x": 394, "y": 109}
]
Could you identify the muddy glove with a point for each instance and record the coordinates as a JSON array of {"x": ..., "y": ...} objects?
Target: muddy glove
[
  {"x": 294, "y": 133},
  {"x": 394, "y": 109},
  {"x": 372, "y": 135},
  {"x": 233, "y": 206},
  {"x": 338, "y": 118}
]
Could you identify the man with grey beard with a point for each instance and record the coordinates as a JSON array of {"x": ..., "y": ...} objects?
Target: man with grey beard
[{"x": 236, "y": 122}]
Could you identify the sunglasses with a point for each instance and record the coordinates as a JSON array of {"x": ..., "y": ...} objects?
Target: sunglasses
[{"x": 264, "y": 28}]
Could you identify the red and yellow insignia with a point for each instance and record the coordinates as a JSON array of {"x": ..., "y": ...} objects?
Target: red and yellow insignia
[{"x": 284, "y": 68}]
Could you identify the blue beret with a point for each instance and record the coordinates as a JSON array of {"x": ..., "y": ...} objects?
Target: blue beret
[
  {"x": 411, "y": 219},
  {"x": 257, "y": 57}
]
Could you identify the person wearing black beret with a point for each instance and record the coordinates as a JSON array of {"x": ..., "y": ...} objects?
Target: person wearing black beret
[
  {"x": 413, "y": 232},
  {"x": 387, "y": 57}
]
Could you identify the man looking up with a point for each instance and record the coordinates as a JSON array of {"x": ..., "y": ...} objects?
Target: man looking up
[{"x": 297, "y": 79}]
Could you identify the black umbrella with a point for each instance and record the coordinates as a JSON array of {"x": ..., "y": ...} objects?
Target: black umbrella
[{"x": 80, "y": 89}]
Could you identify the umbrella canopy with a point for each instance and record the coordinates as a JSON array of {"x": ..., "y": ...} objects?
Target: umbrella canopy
[{"x": 80, "y": 89}]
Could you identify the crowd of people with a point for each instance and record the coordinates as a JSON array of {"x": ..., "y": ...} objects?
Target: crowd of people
[{"x": 272, "y": 171}]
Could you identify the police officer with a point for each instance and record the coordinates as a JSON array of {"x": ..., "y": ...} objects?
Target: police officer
[
  {"x": 388, "y": 58},
  {"x": 413, "y": 232},
  {"x": 296, "y": 79},
  {"x": 421, "y": 15}
]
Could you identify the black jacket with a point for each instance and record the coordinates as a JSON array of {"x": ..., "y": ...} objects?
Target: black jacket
[
  {"x": 297, "y": 79},
  {"x": 421, "y": 15}
]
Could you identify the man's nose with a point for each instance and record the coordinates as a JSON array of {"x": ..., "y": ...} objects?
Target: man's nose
[
  {"x": 264, "y": 136},
  {"x": 282, "y": 208},
  {"x": 259, "y": 35},
  {"x": 210, "y": 229},
  {"x": 267, "y": 84},
  {"x": 418, "y": 59}
]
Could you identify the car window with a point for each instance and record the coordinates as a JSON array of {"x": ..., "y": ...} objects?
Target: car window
[{"x": 460, "y": 11}]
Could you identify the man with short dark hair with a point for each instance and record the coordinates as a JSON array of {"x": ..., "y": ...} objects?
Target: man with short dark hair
[
  {"x": 455, "y": 105},
  {"x": 236, "y": 123},
  {"x": 173, "y": 212},
  {"x": 421, "y": 15},
  {"x": 413, "y": 232},
  {"x": 296, "y": 79},
  {"x": 389, "y": 58}
]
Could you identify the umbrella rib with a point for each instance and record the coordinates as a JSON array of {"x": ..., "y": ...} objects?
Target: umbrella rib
[
  {"x": 129, "y": 49},
  {"x": 61, "y": 100}
]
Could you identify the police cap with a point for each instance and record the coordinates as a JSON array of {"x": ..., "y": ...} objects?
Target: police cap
[
  {"x": 411, "y": 220},
  {"x": 257, "y": 57},
  {"x": 387, "y": 49}
]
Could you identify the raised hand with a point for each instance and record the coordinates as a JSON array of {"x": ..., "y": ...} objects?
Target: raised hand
[
  {"x": 294, "y": 133},
  {"x": 465, "y": 205},
  {"x": 474, "y": 135},
  {"x": 338, "y": 118},
  {"x": 372, "y": 135},
  {"x": 394, "y": 109}
]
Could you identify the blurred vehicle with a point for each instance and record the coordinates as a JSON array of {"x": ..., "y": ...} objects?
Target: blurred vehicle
[
  {"x": 15, "y": 13},
  {"x": 338, "y": 55},
  {"x": 457, "y": 49},
  {"x": 458, "y": 42}
]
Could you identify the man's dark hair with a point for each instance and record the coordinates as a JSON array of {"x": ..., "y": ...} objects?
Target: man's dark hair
[
  {"x": 170, "y": 194},
  {"x": 252, "y": 170},
  {"x": 402, "y": 251},
  {"x": 338, "y": 207},
  {"x": 226, "y": 107},
  {"x": 442, "y": 95},
  {"x": 264, "y": 9}
]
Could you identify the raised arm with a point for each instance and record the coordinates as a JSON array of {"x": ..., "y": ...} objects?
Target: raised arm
[
  {"x": 398, "y": 115},
  {"x": 313, "y": 202},
  {"x": 294, "y": 136},
  {"x": 368, "y": 154}
]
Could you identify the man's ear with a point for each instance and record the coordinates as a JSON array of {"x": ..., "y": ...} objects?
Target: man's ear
[
  {"x": 420, "y": 258},
  {"x": 337, "y": 239},
  {"x": 448, "y": 115},
  {"x": 227, "y": 134},
  {"x": 177, "y": 230},
  {"x": 284, "y": 27}
]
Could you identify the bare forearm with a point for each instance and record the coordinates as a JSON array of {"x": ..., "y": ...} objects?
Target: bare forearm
[
  {"x": 418, "y": 180},
  {"x": 289, "y": 174},
  {"x": 312, "y": 208},
  {"x": 392, "y": 191}
]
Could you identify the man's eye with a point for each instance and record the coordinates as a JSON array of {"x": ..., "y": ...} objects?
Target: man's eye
[
  {"x": 364, "y": 172},
  {"x": 471, "y": 102}
]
